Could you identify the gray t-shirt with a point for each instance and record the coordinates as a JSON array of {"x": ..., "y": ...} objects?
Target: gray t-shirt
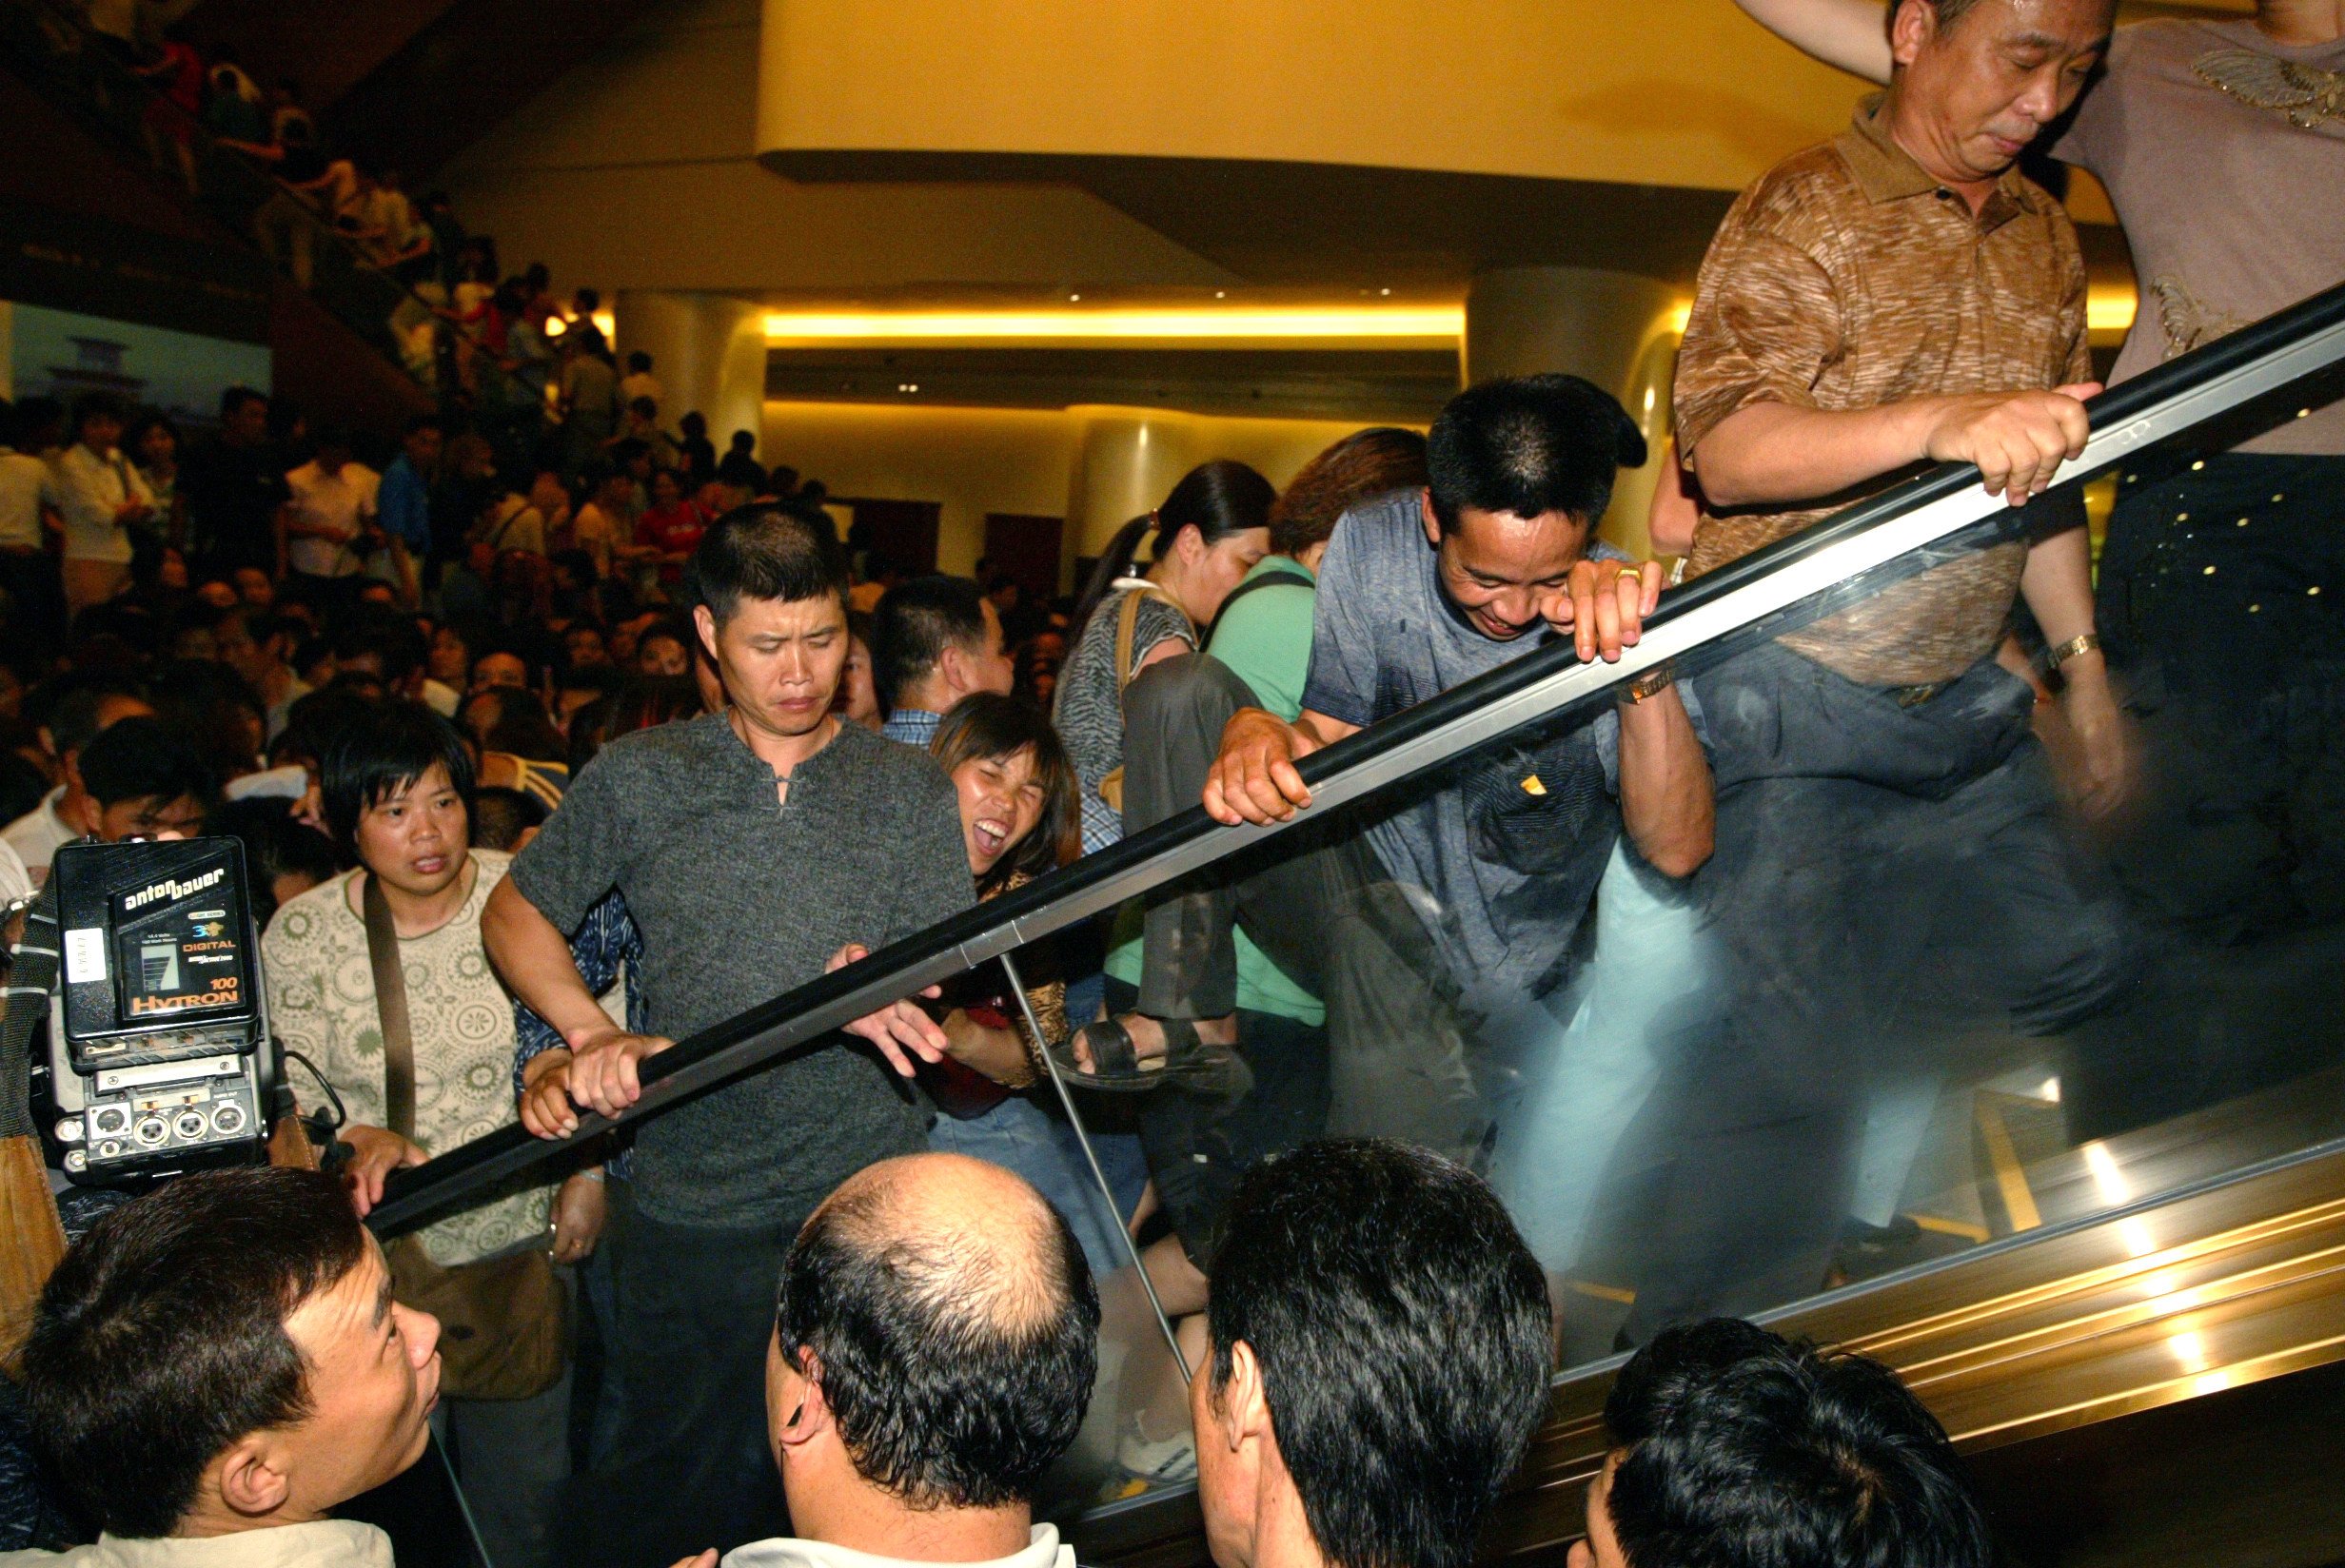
[
  {"x": 1507, "y": 846},
  {"x": 740, "y": 899}
]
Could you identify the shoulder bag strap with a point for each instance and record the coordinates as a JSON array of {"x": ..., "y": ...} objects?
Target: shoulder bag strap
[
  {"x": 391, "y": 1004},
  {"x": 1127, "y": 626}
]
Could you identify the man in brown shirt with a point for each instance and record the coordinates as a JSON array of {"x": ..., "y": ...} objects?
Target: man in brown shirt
[{"x": 1889, "y": 857}]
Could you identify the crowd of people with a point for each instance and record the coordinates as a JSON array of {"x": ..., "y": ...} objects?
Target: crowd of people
[{"x": 590, "y": 748}]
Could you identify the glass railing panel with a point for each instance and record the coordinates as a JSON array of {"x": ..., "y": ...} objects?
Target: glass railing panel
[{"x": 1980, "y": 1009}]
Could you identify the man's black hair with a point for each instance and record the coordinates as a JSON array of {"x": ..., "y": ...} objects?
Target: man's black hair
[
  {"x": 1401, "y": 1328},
  {"x": 68, "y": 705},
  {"x": 143, "y": 758},
  {"x": 601, "y": 680},
  {"x": 501, "y": 815},
  {"x": 638, "y": 361},
  {"x": 90, "y": 405},
  {"x": 316, "y": 719},
  {"x": 236, "y": 397},
  {"x": 916, "y": 622},
  {"x": 419, "y": 423},
  {"x": 395, "y": 642},
  {"x": 36, "y": 418},
  {"x": 276, "y": 844},
  {"x": 1744, "y": 1450},
  {"x": 952, "y": 1387},
  {"x": 1530, "y": 444},
  {"x": 366, "y": 763},
  {"x": 160, "y": 1339},
  {"x": 760, "y": 551}
]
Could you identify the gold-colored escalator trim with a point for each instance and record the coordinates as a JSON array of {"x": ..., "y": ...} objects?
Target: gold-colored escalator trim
[{"x": 2202, "y": 1293}]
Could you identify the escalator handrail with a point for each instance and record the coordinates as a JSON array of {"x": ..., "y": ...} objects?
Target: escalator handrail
[{"x": 1760, "y": 592}]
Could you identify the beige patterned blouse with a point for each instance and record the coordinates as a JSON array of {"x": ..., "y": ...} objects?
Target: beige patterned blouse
[{"x": 322, "y": 1002}]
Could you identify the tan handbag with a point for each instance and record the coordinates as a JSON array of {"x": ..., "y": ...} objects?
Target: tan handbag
[
  {"x": 1126, "y": 628},
  {"x": 504, "y": 1331}
]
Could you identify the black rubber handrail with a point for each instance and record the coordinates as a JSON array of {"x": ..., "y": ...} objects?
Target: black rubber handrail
[{"x": 806, "y": 1017}]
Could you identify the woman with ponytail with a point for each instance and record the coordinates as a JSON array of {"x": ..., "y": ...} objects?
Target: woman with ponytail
[{"x": 1207, "y": 535}]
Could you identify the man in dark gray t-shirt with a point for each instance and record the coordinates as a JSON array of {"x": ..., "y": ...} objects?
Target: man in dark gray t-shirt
[{"x": 756, "y": 848}]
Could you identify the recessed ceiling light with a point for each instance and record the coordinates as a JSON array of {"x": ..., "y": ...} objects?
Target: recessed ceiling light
[{"x": 1109, "y": 323}]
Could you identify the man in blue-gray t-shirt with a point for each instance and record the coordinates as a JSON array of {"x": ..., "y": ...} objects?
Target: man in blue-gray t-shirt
[{"x": 1424, "y": 590}]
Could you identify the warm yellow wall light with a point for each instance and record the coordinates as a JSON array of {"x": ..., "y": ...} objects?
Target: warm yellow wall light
[
  {"x": 1379, "y": 322},
  {"x": 2110, "y": 310}
]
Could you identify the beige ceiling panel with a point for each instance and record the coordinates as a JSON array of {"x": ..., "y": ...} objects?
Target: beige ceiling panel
[{"x": 1682, "y": 92}]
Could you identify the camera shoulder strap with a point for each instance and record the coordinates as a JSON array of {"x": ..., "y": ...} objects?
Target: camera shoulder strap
[{"x": 392, "y": 1005}]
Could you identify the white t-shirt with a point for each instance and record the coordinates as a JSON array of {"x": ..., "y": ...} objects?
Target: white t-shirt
[
  {"x": 640, "y": 383},
  {"x": 16, "y": 879},
  {"x": 35, "y": 835},
  {"x": 344, "y": 500},
  {"x": 595, "y": 531},
  {"x": 24, "y": 480},
  {"x": 88, "y": 489}
]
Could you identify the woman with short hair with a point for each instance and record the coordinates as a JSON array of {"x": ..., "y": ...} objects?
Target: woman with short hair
[{"x": 397, "y": 795}]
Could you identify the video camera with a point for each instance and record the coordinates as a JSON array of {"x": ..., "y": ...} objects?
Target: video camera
[{"x": 160, "y": 1056}]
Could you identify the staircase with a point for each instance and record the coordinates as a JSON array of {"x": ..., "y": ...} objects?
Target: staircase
[{"x": 47, "y": 46}]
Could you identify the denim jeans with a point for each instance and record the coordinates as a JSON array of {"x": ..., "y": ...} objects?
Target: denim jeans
[
  {"x": 688, "y": 1466},
  {"x": 1887, "y": 874},
  {"x": 1593, "y": 1074}
]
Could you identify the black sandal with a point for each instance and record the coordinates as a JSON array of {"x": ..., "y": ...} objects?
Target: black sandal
[{"x": 1189, "y": 1062}]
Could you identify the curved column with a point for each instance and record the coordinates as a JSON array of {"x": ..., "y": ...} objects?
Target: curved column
[
  {"x": 1613, "y": 328},
  {"x": 708, "y": 351},
  {"x": 1126, "y": 460}
]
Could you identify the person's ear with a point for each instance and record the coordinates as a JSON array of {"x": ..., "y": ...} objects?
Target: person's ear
[
  {"x": 704, "y": 622},
  {"x": 1189, "y": 545},
  {"x": 1245, "y": 1401},
  {"x": 1430, "y": 518},
  {"x": 1913, "y": 26},
  {"x": 809, "y": 1415},
  {"x": 953, "y": 665},
  {"x": 91, "y": 815},
  {"x": 252, "y": 1477}
]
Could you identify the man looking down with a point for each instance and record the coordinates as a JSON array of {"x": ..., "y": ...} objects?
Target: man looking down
[
  {"x": 934, "y": 1338},
  {"x": 1489, "y": 875},
  {"x": 1890, "y": 858},
  {"x": 754, "y": 846}
]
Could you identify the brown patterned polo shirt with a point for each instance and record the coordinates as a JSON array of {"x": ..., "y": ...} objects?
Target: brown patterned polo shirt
[{"x": 1848, "y": 278}]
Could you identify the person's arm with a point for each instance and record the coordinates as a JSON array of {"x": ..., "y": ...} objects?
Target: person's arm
[
  {"x": 998, "y": 1053},
  {"x": 1775, "y": 453},
  {"x": 2057, "y": 586},
  {"x": 1670, "y": 524},
  {"x": 597, "y": 1065},
  {"x": 1253, "y": 778},
  {"x": 1850, "y": 36},
  {"x": 1667, "y": 807}
]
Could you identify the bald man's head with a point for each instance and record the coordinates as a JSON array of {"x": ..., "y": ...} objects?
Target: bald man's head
[{"x": 953, "y": 1326}]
